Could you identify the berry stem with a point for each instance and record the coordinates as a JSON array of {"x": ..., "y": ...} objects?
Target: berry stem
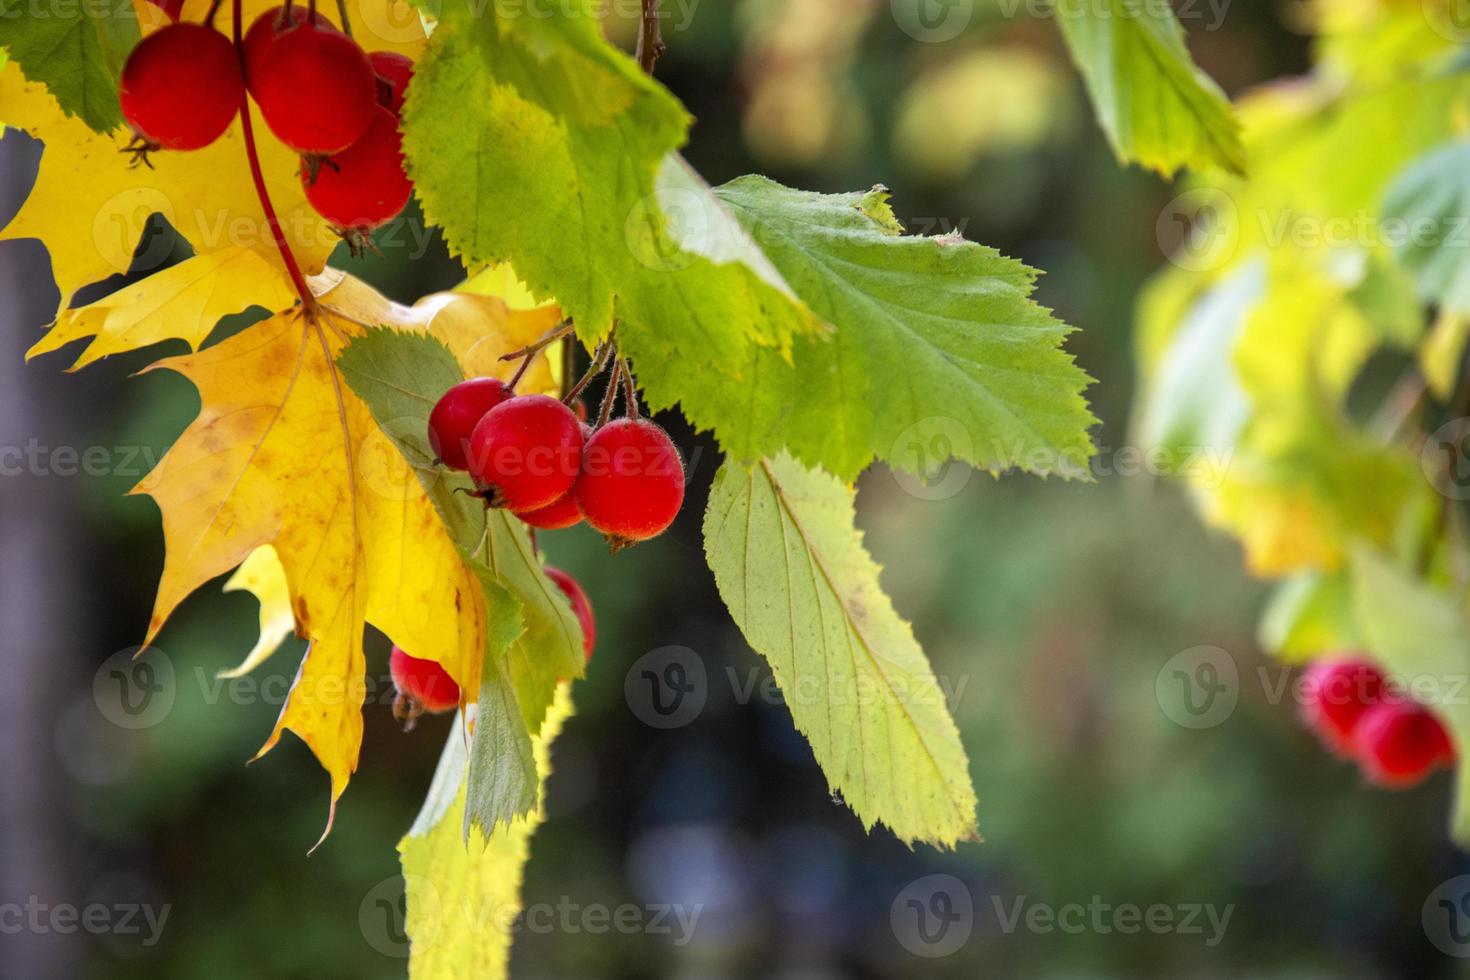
[
  {"x": 527, "y": 353},
  {"x": 308, "y": 301},
  {"x": 213, "y": 9},
  {"x": 611, "y": 395},
  {"x": 599, "y": 361},
  {"x": 630, "y": 396},
  {"x": 650, "y": 37},
  {"x": 342, "y": 12}
]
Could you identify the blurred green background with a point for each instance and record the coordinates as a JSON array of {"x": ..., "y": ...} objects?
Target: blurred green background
[{"x": 1049, "y": 609}]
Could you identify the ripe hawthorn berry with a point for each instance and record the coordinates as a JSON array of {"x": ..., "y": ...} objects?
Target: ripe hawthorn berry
[
  {"x": 394, "y": 71},
  {"x": 316, "y": 89},
  {"x": 632, "y": 481},
  {"x": 526, "y": 452},
  {"x": 422, "y": 686},
  {"x": 581, "y": 606},
  {"x": 261, "y": 37},
  {"x": 562, "y": 512},
  {"x": 456, "y": 413},
  {"x": 1335, "y": 695},
  {"x": 364, "y": 186},
  {"x": 180, "y": 88},
  {"x": 1398, "y": 743}
]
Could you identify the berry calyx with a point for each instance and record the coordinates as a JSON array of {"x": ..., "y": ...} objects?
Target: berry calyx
[
  {"x": 525, "y": 452},
  {"x": 422, "y": 686},
  {"x": 1400, "y": 743},
  {"x": 180, "y": 88},
  {"x": 261, "y": 37},
  {"x": 394, "y": 71},
  {"x": 632, "y": 481},
  {"x": 364, "y": 186},
  {"x": 316, "y": 89},
  {"x": 1335, "y": 695},
  {"x": 581, "y": 606},
  {"x": 457, "y": 412}
]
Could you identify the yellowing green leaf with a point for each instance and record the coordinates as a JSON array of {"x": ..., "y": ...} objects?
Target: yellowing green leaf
[
  {"x": 463, "y": 897},
  {"x": 791, "y": 566},
  {"x": 1428, "y": 207},
  {"x": 1155, "y": 105}
]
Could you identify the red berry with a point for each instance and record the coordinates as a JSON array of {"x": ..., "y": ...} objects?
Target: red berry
[
  {"x": 394, "y": 70},
  {"x": 581, "y": 605},
  {"x": 1336, "y": 693},
  {"x": 456, "y": 413},
  {"x": 1399, "y": 743},
  {"x": 632, "y": 481},
  {"x": 181, "y": 88},
  {"x": 526, "y": 451},
  {"x": 261, "y": 37},
  {"x": 559, "y": 514},
  {"x": 562, "y": 512},
  {"x": 316, "y": 89},
  {"x": 364, "y": 186},
  {"x": 426, "y": 683}
]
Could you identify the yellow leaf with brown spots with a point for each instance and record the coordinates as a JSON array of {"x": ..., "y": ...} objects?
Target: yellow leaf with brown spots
[{"x": 284, "y": 454}]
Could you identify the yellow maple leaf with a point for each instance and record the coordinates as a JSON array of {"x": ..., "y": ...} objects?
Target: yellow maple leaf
[
  {"x": 284, "y": 454},
  {"x": 463, "y": 896}
]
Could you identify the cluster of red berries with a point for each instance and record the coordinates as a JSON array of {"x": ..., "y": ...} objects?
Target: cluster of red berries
[
  {"x": 1359, "y": 715},
  {"x": 317, "y": 90},
  {"x": 532, "y": 455},
  {"x": 423, "y": 685}
]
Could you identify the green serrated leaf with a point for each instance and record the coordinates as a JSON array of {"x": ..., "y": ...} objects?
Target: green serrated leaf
[
  {"x": 791, "y": 566},
  {"x": 1429, "y": 206},
  {"x": 938, "y": 350},
  {"x": 502, "y": 783},
  {"x": 1421, "y": 632},
  {"x": 1157, "y": 108},
  {"x": 76, "y": 50},
  {"x": 541, "y": 144},
  {"x": 532, "y": 637}
]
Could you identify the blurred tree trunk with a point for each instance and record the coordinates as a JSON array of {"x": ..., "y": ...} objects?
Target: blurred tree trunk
[{"x": 41, "y": 610}]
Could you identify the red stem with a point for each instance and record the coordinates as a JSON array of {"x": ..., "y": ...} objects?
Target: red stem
[{"x": 308, "y": 301}]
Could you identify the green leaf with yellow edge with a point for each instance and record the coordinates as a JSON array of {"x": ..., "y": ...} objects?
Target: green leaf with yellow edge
[
  {"x": 76, "y": 50},
  {"x": 1155, "y": 105},
  {"x": 463, "y": 897},
  {"x": 791, "y": 566},
  {"x": 937, "y": 343},
  {"x": 1419, "y": 631}
]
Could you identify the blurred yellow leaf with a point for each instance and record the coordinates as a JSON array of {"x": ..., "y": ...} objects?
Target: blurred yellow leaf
[{"x": 263, "y": 577}]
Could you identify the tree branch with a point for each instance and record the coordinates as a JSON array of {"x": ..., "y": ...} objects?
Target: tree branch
[{"x": 650, "y": 37}]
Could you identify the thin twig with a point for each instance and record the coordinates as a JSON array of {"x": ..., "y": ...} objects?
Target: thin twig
[
  {"x": 528, "y": 353},
  {"x": 650, "y": 37},
  {"x": 308, "y": 301},
  {"x": 599, "y": 361},
  {"x": 342, "y": 12}
]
